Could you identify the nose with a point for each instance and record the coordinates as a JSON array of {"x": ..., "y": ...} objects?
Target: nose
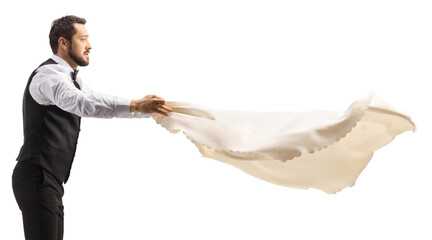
[{"x": 89, "y": 47}]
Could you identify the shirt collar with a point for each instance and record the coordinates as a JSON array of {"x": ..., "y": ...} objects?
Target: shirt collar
[{"x": 62, "y": 62}]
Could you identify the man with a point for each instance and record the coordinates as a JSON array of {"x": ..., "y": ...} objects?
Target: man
[{"x": 54, "y": 101}]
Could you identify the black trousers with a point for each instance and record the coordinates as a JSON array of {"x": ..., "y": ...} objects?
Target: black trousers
[{"x": 39, "y": 197}]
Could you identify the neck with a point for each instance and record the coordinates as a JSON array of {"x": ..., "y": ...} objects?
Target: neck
[{"x": 68, "y": 59}]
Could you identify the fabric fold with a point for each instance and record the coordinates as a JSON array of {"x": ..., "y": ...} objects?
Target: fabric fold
[{"x": 326, "y": 150}]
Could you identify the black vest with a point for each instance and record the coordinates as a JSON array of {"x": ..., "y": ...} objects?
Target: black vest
[{"x": 50, "y": 135}]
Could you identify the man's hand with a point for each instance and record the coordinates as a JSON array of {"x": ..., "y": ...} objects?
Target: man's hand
[{"x": 150, "y": 104}]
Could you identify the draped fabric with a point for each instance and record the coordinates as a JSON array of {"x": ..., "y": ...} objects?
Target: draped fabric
[{"x": 326, "y": 150}]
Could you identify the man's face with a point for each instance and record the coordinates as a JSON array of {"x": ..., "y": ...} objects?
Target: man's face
[{"x": 79, "y": 48}]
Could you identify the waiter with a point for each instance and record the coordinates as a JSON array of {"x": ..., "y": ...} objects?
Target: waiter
[{"x": 55, "y": 99}]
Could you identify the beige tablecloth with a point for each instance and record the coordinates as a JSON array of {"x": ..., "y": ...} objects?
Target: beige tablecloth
[{"x": 325, "y": 150}]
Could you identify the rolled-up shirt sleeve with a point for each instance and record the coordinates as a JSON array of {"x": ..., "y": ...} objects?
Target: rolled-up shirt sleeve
[{"x": 52, "y": 86}]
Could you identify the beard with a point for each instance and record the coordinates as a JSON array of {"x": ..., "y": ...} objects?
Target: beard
[{"x": 81, "y": 61}]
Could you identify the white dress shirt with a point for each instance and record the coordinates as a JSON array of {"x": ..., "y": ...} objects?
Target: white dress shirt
[{"x": 53, "y": 85}]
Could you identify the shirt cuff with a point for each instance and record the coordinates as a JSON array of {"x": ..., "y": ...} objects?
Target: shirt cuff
[{"x": 123, "y": 105}]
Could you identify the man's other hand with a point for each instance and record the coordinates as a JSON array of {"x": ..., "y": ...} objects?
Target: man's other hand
[{"x": 150, "y": 104}]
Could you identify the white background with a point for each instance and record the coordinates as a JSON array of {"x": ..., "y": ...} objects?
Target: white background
[{"x": 131, "y": 179}]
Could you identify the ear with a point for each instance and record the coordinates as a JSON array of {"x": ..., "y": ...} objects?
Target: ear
[{"x": 63, "y": 43}]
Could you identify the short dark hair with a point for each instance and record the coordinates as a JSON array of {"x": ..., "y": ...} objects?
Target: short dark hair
[{"x": 63, "y": 27}]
